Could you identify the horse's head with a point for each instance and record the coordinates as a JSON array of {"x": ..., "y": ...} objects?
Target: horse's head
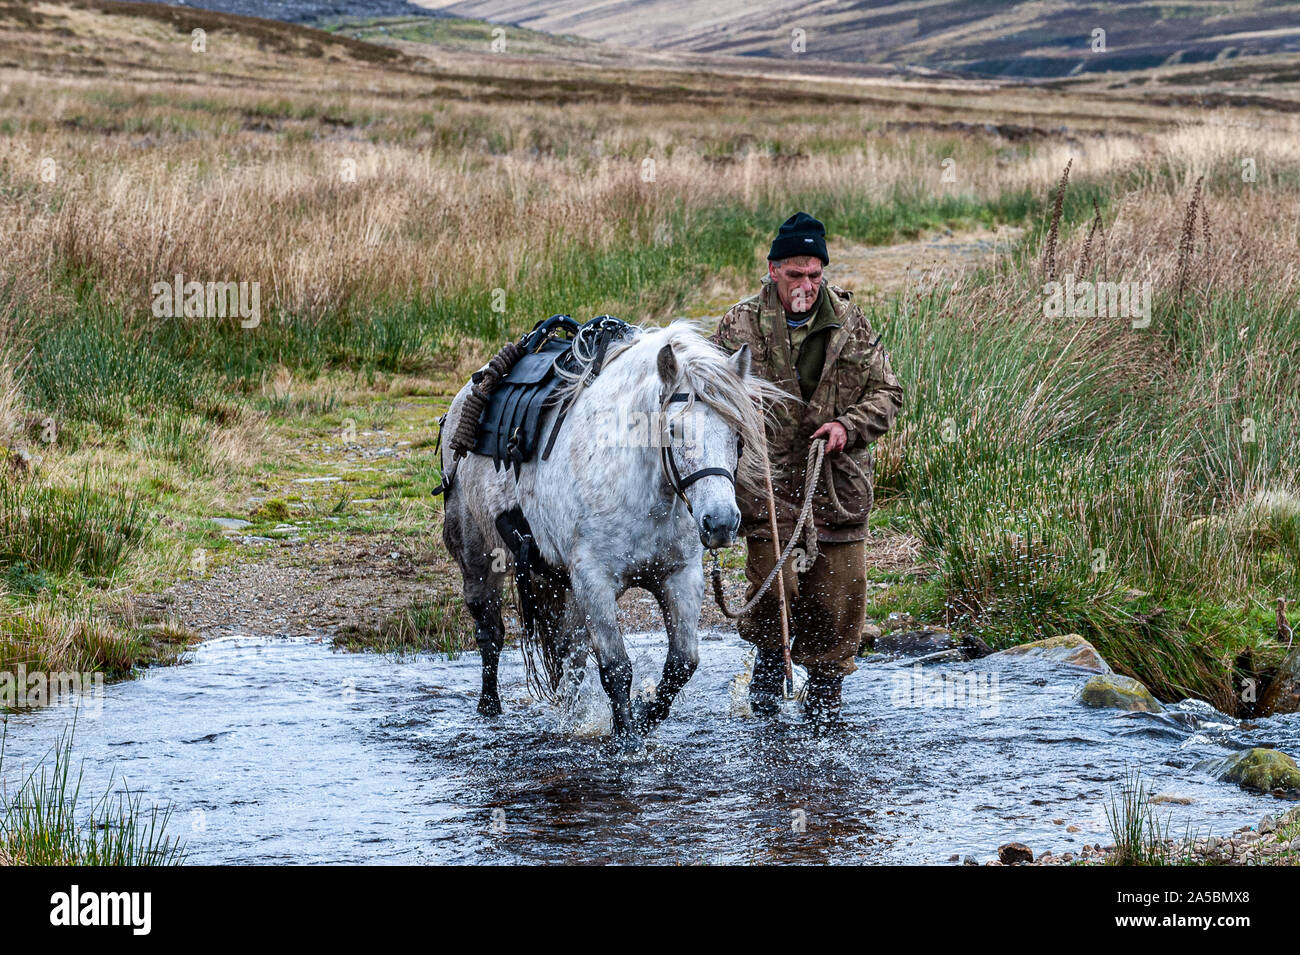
[{"x": 701, "y": 439}]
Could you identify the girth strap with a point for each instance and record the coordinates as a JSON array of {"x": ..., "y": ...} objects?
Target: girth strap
[{"x": 514, "y": 530}]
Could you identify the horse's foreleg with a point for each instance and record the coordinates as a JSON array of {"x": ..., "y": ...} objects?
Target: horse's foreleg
[
  {"x": 680, "y": 597},
  {"x": 597, "y": 599}
]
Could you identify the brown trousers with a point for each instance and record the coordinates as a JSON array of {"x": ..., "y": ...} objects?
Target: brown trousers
[{"x": 827, "y": 605}]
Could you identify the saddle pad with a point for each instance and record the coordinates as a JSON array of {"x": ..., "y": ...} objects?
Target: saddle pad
[
  {"x": 509, "y": 430},
  {"x": 532, "y": 369}
]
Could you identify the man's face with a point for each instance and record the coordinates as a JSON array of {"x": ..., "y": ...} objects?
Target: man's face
[{"x": 798, "y": 281}]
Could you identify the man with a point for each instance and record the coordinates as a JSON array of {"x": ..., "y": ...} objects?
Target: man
[{"x": 809, "y": 338}]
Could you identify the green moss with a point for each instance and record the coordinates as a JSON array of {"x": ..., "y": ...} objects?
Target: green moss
[
  {"x": 273, "y": 509},
  {"x": 1262, "y": 770},
  {"x": 1070, "y": 649},
  {"x": 1113, "y": 691}
]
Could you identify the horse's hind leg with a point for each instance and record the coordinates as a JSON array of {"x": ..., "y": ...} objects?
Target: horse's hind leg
[
  {"x": 562, "y": 634},
  {"x": 680, "y": 597},
  {"x": 483, "y": 587},
  {"x": 484, "y": 604}
]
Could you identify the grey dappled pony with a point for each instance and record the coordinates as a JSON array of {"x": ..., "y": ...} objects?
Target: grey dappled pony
[{"x": 604, "y": 513}]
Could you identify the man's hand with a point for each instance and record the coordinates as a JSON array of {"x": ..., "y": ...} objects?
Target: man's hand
[{"x": 835, "y": 435}]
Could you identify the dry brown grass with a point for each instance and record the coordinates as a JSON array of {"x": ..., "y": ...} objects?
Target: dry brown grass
[
  {"x": 12, "y": 417},
  {"x": 233, "y": 205},
  {"x": 1256, "y": 237},
  {"x": 236, "y": 170}
]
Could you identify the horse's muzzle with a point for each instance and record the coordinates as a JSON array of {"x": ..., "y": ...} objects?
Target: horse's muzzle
[{"x": 719, "y": 531}]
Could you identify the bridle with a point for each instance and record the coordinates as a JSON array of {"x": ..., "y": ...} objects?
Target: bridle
[{"x": 671, "y": 472}]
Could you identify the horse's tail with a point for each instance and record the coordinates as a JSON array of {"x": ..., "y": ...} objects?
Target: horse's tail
[{"x": 543, "y": 629}]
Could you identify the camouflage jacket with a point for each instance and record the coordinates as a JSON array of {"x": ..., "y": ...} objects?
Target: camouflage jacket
[{"x": 857, "y": 388}]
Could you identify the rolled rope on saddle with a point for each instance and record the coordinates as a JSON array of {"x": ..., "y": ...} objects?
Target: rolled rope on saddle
[{"x": 484, "y": 383}]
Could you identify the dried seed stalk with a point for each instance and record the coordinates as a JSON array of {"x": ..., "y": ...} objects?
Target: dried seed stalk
[{"x": 1049, "y": 255}]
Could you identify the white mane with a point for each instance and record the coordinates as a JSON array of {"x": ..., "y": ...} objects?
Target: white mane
[{"x": 704, "y": 371}]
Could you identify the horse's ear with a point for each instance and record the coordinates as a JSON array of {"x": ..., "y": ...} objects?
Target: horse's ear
[
  {"x": 741, "y": 362},
  {"x": 667, "y": 364}
]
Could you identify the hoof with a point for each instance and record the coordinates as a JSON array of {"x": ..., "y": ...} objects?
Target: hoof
[
  {"x": 489, "y": 706},
  {"x": 646, "y": 716}
]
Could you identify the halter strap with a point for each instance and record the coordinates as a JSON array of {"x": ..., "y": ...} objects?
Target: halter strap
[{"x": 674, "y": 477}]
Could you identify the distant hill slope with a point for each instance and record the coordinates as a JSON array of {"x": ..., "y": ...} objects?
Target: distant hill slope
[
  {"x": 1041, "y": 38},
  {"x": 307, "y": 11}
]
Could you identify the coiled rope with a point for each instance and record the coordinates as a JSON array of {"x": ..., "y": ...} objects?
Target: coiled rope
[{"x": 812, "y": 471}]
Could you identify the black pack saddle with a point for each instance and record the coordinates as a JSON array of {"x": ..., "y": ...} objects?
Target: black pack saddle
[{"x": 510, "y": 430}]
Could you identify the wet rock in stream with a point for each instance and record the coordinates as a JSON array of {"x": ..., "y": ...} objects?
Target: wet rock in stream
[{"x": 1112, "y": 691}]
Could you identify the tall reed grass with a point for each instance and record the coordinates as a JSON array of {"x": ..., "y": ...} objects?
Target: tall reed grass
[
  {"x": 1136, "y": 484},
  {"x": 46, "y": 820}
]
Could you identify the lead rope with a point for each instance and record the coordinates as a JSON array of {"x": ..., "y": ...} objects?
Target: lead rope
[{"x": 812, "y": 471}]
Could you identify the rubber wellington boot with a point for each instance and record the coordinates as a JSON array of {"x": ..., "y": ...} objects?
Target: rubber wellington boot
[
  {"x": 765, "y": 686},
  {"x": 822, "y": 703}
]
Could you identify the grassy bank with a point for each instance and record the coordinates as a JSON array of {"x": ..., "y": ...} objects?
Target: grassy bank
[{"x": 1134, "y": 484}]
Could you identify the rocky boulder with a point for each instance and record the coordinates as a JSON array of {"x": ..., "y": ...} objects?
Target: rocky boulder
[
  {"x": 1282, "y": 695},
  {"x": 1015, "y": 852},
  {"x": 1112, "y": 691},
  {"x": 1261, "y": 770},
  {"x": 916, "y": 643},
  {"x": 1071, "y": 649}
]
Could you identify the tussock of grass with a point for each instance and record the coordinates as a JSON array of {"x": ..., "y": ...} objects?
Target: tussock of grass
[
  {"x": 1140, "y": 840},
  {"x": 53, "y": 637},
  {"x": 43, "y": 639},
  {"x": 438, "y": 624},
  {"x": 45, "y": 820},
  {"x": 64, "y": 531}
]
